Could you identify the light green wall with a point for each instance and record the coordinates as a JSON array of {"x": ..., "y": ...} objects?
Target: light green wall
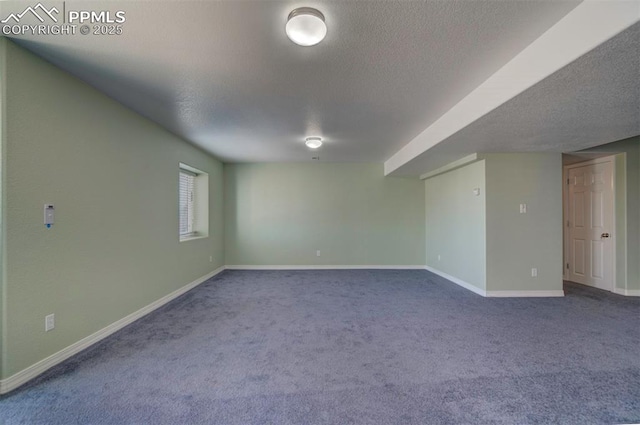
[
  {"x": 484, "y": 240},
  {"x": 516, "y": 242},
  {"x": 455, "y": 223},
  {"x": 627, "y": 208},
  {"x": 280, "y": 214},
  {"x": 113, "y": 177}
]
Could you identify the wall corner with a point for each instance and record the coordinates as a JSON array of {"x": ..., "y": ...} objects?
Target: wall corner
[{"x": 3, "y": 255}]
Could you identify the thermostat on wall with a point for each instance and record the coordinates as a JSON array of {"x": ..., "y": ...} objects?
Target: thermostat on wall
[{"x": 48, "y": 214}]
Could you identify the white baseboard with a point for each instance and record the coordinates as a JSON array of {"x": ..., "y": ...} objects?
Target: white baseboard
[
  {"x": 465, "y": 285},
  {"x": 518, "y": 294},
  {"x": 627, "y": 292},
  {"x": 43, "y": 365},
  {"x": 496, "y": 294},
  {"x": 322, "y": 267}
]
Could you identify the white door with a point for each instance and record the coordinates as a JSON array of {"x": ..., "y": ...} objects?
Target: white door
[{"x": 591, "y": 225}]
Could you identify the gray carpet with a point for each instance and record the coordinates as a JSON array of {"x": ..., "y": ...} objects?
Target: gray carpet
[{"x": 352, "y": 347}]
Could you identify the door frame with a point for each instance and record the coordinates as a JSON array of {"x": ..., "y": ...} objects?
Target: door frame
[{"x": 565, "y": 214}]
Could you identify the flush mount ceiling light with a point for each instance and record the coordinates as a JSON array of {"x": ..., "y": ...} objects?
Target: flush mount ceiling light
[
  {"x": 313, "y": 142},
  {"x": 305, "y": 26}
]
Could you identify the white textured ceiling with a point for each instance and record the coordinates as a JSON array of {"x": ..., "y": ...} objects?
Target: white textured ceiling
[
  {"x": 223, "y": 75},
  {"x": 575, "y": 87},
  {"x": 590, "y": 102}
]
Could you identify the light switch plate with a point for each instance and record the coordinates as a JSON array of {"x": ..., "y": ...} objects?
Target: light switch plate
[{"x": 49, "y": 322}]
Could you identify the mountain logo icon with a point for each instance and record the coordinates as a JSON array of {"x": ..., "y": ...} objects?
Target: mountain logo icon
[{"x": 38, "y": 11}]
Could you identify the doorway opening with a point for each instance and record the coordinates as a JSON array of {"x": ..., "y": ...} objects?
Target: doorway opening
[{"x": 589, "y": 219}]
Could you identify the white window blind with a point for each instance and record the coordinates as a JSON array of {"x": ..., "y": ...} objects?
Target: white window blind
[{"x": 187, "y": 198}]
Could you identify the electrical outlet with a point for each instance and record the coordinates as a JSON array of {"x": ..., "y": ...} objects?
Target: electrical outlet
[
  {"x": 211, "y": 259},
  {"x": 534, "y": 272},
  {"x": 438, "y": 257},
  {"x": 317, "y": 253},
  {"x": 523, "y": 208},
  {"x": 49, "y": 322}
]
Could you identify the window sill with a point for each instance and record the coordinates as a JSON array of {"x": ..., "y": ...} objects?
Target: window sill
[{"x": 192, "y": 237}]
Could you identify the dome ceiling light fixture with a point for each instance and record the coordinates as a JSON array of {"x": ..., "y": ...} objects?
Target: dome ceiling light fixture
[
  {"x": 306, "y": 26},
  {"x": 313, "y": 142}
]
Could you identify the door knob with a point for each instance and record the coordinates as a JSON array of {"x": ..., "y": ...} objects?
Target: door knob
[{"x": 604, "y": 235}]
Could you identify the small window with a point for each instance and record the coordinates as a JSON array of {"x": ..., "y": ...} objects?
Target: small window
[
  {"x": 193, "y": 202},
  {"x": 187, "y": 187}
]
